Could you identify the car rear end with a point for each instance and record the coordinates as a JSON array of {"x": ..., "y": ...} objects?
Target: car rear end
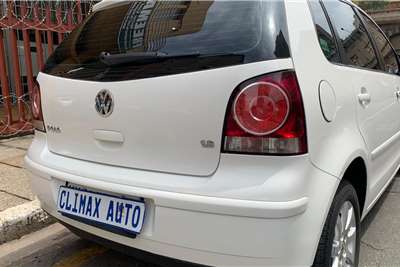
[{"x": 190, "y": 115}]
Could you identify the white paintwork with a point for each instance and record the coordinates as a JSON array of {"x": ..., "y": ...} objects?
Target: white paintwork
[
  {"x": 108, "y": 136},
  {"x": 246, "y": 213},
  {"x": 105, "y": 3},
  {"x": 204, "y": 206},
  {"x": 169, "y": 115},
  {"x": 357, "y": 131}
]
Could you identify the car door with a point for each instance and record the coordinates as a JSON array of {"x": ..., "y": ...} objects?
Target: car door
[
  {"x": 388, "y": 153},
  {"x": 373, "y": 89}
]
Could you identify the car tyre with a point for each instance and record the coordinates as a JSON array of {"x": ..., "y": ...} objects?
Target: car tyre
[{"x": 340, "y": 239}]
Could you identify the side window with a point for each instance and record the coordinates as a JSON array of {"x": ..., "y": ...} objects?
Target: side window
[
  {"x": 325, "y": 36},
  {"x": 352, "y": 35},
  {"x": 384, "y": 47}
]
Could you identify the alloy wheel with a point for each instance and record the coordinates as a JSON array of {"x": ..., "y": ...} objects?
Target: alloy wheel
[{"x": 344, "y": 242}]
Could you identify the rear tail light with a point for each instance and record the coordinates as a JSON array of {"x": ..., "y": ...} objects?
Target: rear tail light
[
  {"x": 266, "y": 116},
  {"x": 37, "y": 115}
]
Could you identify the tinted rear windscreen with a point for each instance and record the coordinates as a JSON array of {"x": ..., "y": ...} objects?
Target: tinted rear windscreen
[{"x": 147, "y": 39}]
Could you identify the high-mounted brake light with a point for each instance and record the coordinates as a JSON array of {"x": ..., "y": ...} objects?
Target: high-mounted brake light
[
  {"x": 37, "y": 115},
  {"x": 266, "y": 116}
]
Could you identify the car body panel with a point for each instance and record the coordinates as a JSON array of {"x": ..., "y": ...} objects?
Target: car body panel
[
  {"x": 344, "y": 134},
  {"x": 205, "y": 206},
  {"x": 251, "y": 220},
  {"x": 162, "y": 120}
]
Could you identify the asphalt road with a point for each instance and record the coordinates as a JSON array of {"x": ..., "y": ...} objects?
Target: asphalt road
[{"x": 56, "y": 246}]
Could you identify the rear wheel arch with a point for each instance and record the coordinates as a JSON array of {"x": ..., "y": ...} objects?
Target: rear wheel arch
[
  {"x": 356, "y": 175},
  {"x": 332, "y": 242}
]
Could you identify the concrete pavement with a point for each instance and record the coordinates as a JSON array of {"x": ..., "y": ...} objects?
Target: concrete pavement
[
  {"x": 56, "y": 246},
  {"x": 20, "y": 214},
  {"x": 14, "y": 182}
]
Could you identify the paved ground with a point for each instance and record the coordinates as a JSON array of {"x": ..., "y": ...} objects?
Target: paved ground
[
  {"x": 381, "y": 236},
  {"x": 14, "y": 183},
  {"x": 55, "y": 246}
]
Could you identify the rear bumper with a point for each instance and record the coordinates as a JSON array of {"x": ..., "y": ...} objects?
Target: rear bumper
[
  {"x": 206, "y": 229},
  {"x": 215, "y": 205}
]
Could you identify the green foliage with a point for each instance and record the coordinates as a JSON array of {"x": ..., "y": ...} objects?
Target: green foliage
[{"x": 371, "y": 5}]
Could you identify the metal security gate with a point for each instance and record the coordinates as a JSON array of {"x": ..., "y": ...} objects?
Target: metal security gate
[{"x": 29, "y": 32}]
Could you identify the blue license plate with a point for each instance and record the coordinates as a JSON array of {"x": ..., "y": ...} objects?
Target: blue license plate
[{"x": 102, "y": 210}]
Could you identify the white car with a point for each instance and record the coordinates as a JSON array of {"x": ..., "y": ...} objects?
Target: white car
[{"x": 227, "y": 133}]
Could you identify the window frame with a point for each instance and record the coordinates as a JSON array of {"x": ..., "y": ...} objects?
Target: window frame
[
  {"x": 361, "y": 13},
  {"x": 345, "y": 61},
  {"x": 339, "y": 47}
]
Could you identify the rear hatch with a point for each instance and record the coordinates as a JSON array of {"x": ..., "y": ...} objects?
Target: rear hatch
[{"x": 146, "y": 84}]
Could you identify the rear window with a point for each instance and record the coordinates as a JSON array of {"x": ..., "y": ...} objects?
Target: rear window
[{"x": 133, "y": 40}]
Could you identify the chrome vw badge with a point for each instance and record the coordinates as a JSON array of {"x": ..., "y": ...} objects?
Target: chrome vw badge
[{"x": 104, "y": 103}]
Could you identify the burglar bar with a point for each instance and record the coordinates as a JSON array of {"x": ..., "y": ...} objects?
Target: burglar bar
[{"x": 21, "y": 19}]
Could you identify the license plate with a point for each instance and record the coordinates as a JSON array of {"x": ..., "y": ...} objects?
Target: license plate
[{"x": 102, "y": 210}]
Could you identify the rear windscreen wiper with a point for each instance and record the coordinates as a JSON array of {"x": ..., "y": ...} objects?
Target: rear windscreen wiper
[{"x": 139, "y": 57}]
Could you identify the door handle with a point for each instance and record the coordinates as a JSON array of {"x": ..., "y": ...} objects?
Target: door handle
[
  {"x": 398, "y": 95},
  {"x": 364, "y": 97}
]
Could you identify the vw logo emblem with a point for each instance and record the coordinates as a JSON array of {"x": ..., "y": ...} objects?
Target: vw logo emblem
[{"x": 104, "y": 103}]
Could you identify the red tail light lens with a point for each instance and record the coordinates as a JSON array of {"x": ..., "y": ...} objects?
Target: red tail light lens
[
  {"x": 266, "y": 116},
  {"x": 37, "y": 114},
  {"x": 261, "y": 108}
]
